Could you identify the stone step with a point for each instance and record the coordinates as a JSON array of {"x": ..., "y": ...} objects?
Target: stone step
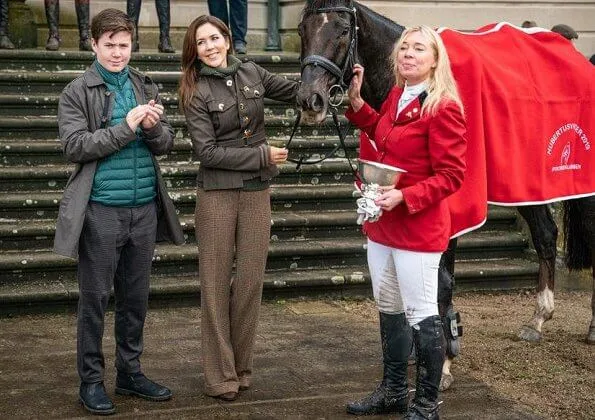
[
  {"x": 176, "y": 174},
  {"x": 44, "y": 204},
  {"x": 25, "y": 235},
  {"x": 348, "y": 281},
  {"x": 32, "y": 104},
  {"x": 51, "y": 61},
  {"x": 17, "y": 266},
  {"x": 35, "y": 152},
  {"x": 285, "y": 225},
  {"x": 43, "y": 82},
  {"x": 299, "y": 254},
  {"x": 46, "y": 127}
]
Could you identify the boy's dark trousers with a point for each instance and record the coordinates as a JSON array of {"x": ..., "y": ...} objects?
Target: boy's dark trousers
[{"x": 116, "y": 249}]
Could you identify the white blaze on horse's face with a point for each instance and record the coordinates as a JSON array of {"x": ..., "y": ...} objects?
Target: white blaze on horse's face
[
  {"x": 324, "y": 22},
  {"x": 415, "y": 58}
]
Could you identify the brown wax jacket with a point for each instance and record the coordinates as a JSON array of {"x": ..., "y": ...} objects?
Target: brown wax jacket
[{"x": 226, "y": 124}]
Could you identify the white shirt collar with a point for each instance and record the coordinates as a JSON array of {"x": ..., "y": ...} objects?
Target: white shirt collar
[{"x": 409, "y": 94}]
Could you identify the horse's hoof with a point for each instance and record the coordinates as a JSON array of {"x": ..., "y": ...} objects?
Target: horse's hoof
[
  {"x": 446, "y": 381},
  {"x": 591, "y": 336},
  {"x": 529, "y": 334}
]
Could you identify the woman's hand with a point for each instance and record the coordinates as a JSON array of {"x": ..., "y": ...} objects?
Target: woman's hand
[
  {"x": 389, "y": 199},
  {"x": 355, "y": 87},
  {"x": 277, "y": 155}
]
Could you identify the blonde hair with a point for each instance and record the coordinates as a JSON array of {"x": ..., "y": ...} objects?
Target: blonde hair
[{"x": 441, "y": 83}]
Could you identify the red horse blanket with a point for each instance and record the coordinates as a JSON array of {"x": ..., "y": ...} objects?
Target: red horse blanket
[{"x": 529, "y": 99}]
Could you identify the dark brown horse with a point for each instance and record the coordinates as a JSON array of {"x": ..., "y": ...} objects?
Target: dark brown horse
[{"x": 335, "y": 34}]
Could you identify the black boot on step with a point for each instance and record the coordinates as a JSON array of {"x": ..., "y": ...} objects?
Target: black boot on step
[
  {"x": 165, "y": 45},
  {"x": 5, "y": 43},
  {"x": 133, "y": 12},
  {"x": 428, "y": 337},
  {"x": 391, "y": 394},
  {"x": 82, "y": 16},
  {"x": 52, "y": 14},
  {"x": 163, "y": 15}
]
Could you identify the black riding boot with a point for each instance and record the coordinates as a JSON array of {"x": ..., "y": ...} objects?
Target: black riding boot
[
  {"x": 133, "y": 11},
  {"x": 428, "y": 337},
  {"x": 5, "y": 43},
  {"x": 163, "y": 15},
  {"x": 52, "y": 14},
  {"x": 82, "y": 17},
  {"x": 391, "y": 394}
]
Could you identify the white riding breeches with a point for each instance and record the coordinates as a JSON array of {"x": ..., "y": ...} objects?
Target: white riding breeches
[{"x": 404, "y": 281}]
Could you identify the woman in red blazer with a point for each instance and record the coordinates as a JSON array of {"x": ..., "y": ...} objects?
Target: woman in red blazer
[{"x": 421, "y": 129}]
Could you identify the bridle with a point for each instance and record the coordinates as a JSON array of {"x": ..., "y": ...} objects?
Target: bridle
[
  {"x": 341, "y": 133},
  {"x": 344, "y": 74}
]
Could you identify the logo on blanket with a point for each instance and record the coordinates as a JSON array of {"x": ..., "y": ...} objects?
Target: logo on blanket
[{"x": 566, "y": 153}]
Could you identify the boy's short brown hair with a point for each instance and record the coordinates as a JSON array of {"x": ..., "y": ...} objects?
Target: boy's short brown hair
[{"x": 111, "y": 20}]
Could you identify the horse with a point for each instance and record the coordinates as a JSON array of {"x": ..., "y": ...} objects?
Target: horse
[{"x": 337, "y": 33}]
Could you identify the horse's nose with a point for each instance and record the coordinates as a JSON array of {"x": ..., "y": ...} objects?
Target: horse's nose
[{"x": 315, "y": 102}]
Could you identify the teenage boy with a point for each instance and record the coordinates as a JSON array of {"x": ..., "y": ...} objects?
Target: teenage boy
[{"x": 115, "y": 206}]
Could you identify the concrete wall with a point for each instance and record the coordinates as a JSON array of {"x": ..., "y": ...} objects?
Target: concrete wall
[{"x": 463, "y": 15}]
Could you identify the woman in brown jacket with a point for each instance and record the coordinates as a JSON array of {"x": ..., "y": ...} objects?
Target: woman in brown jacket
[{"x": 222, "y": 99}]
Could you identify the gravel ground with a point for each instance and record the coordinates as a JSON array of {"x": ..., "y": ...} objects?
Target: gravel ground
[{"x": 555, "y": 377}]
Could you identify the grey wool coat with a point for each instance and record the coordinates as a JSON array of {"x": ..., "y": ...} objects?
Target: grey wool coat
[{"x": 84, "y": 142}]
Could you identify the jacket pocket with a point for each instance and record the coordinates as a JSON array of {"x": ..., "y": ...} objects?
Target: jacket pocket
[
  {"x": 220, "y": 112},
  {"x": 255, "y": 91},
  {"x": 253, "y": 99}
]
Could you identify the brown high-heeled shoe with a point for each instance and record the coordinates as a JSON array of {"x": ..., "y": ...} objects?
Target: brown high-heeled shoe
[{"x": 228, "y": 396}]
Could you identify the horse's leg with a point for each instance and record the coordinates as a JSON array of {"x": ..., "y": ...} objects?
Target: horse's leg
[
  {"x": 587, "y": 205},
  {"x": 579, "y": 238},
  {"x": 591, "y": 334},
  {"x": 588, "y": 219},
  {"x": 544, "y": 234},
  {"x": 447, "y": 314}
]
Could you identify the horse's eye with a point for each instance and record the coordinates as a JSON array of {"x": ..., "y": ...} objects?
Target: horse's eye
[{"x": 344, "y": 32}]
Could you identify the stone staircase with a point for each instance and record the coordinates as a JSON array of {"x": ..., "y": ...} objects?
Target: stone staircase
[{"x": 316, "y": 246}]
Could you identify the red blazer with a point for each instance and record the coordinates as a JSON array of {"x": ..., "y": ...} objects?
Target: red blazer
[{"x": 432, "y": 151}]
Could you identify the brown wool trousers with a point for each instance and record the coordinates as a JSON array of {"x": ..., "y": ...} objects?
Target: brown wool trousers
[{"x": 230, "y": 224}]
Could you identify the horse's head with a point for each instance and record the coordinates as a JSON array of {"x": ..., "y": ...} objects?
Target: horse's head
[{"x": 329, "y": 41}]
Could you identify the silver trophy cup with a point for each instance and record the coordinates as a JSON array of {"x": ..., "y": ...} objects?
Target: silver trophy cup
[{"x": 374, "y": 175}]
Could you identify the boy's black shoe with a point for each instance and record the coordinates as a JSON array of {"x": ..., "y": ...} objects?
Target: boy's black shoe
[
  {"x": 141, "y": 386},
  {"x": 95, "y": 399}
]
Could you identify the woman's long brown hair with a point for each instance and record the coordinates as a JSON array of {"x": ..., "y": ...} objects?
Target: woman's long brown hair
[{"x": 189, "y": 56}]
